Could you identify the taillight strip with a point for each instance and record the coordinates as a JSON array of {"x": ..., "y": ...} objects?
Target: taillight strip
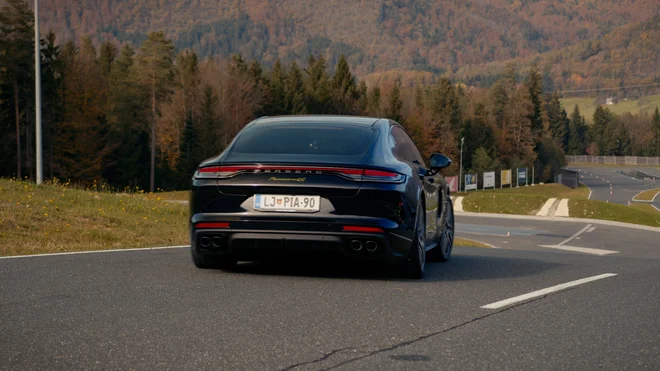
[
  {"x": 212, "y": 225},
  {"x": 353, "y": 173}
]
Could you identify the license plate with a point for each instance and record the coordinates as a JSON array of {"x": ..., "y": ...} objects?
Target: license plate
[{"x": 284, "y": 203}]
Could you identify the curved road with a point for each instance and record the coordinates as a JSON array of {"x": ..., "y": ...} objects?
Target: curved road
[
  {"x": 623, "y": 187},
  {"x": 152, "y": 309}
]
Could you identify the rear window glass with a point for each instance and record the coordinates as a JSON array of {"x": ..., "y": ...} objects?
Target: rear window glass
[{"x": 302, "y": 139}]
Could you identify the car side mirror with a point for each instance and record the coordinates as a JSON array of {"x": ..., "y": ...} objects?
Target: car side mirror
[{"x": 439, "y": 162}]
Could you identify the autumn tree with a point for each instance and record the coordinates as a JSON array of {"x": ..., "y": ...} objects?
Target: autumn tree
[
  {"x": 155, "y": 67},
  {"x": 558, "y": 120}
]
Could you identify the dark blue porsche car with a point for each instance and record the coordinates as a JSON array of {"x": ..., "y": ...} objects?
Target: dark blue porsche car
[{"x": 321, "y": 186}]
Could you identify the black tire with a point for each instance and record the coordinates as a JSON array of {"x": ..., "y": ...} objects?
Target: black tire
[
  {"x": 442, "y": 252},
  {"x": 416, "y": 263},
  {"x": 212, "y": 262}
]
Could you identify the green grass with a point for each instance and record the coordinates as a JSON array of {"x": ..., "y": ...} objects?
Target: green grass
[
  {"x": 648, "y": 195},
  {"x": 614, "y": 212},
  {"x": 523, "y": 200},
  {"x": 588, "y": 105},
  {"x": 499, "y": 203},
  {"x": 55, "y": 218},
  {"x": 547, "y": 190},
  {"x": 646, "y": 207}
]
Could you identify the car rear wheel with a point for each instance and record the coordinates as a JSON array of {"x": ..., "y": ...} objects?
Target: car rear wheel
[
  {"x": 442, "y": 252},
  {"x": 211, "y": 262},
  {"x": 417, "y": 260}
]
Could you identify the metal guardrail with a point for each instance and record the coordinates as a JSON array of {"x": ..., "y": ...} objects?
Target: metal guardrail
[{"x": 614, "y": 160}]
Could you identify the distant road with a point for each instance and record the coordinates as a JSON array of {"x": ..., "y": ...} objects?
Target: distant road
[
  {"x": 153, "y": 309},
  {"x": 624, "y": 188}
]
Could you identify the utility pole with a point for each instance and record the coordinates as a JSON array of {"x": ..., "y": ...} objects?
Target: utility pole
[
  {"x": 37, "y": 91},
  {"x": 460, "y": 171}
]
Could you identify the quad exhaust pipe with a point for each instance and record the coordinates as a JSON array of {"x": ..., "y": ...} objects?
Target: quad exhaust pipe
[
  {"x": 371, "y": 246},
  {"x": 205, "y": 242}
]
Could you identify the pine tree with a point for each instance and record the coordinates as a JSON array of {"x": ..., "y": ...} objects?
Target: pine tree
[
  {"x": 344, "y": 88},
  {"x": 481, "y": 161},
  {"x": 317, "y": 85},
  {"x": 52, "y": 80},
  {"x": 209, "y": 125},
  {"x": 373, "y": 106},
  {"x": 128, "y": 122},
  {"x": 107, "y": 56},
  {"x": 155, "y": 65},
  {"x": 17, "y": 40},
  {"x": 395, "y": 104},
  {"x": 603, "y": 131},
  {"x": 276, "y": 99},
  {"x": 534, "y": 85},
  {"x": 558, "y": 120},
  {"x": 294, "y": 90}
]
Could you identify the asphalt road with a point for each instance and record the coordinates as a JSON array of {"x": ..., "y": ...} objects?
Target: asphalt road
[
  {"x": 153, "y": 309},
  {"x": 623, "y": 188}
]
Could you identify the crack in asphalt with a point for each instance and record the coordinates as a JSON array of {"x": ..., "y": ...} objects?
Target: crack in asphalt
[{"x": 408, "y": 342}]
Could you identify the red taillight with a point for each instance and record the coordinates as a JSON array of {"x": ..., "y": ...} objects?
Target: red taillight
[
  {"x": 357, "y": 228},
  {"x": 369, "y": 175},
  {"x": 212, "y": 225}
]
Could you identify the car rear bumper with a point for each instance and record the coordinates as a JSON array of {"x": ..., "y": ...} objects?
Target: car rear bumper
[{"x": 265, "y": 237}]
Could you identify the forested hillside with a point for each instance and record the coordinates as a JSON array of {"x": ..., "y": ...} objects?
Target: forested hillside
[
  {"x": 145, "y": 115},
  {"x": 376, "y": 36}
]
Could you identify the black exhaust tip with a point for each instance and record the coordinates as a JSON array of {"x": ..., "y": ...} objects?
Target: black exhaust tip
[
  {"x": 216, "y": 242},
  {"x": 205, "y": 242},
  {"x": 356, "y": 245},
  {"x": 371, "y": 246}
]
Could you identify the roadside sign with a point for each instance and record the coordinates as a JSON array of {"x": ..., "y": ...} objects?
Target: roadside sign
[
  {"x": 489, "y": 180},
  {"x": 506, "y": 178},
  {"x": 522, "y": 176},
  {"x": 470, "y": 182},
  {"x": 453, "y": 183}
]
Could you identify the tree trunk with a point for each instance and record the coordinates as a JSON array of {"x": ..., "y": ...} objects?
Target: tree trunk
[
  {"x": 18, "y": 131},
  {"x": 153, "y": 136}
]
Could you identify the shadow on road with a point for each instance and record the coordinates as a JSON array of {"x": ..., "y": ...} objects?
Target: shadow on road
[{"x": 459, "y": 268}]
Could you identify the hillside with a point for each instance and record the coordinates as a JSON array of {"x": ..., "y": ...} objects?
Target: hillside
[
  {"x": 634, "y": 106},
  {"x": 377, "y": 36},
  {"x": 626, "y": 56}
]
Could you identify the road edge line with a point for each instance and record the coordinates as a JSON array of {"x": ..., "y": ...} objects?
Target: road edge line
[{"x": 93, "y": 252}]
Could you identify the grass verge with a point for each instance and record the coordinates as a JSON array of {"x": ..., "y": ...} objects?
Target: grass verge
[
  {"x": 646, "y": 207},
  {"x": 523, "y": 200},
  {"x": 648, "y": 195},
  {"x": 613, "y": 212},
  {"x": 545, "y": 190},
  {"x": 498, "y": 203},
  {"x": 52, "y": 218},
  {"x": 470, "y": 243}
]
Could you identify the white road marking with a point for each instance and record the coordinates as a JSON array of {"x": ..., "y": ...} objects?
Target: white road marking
[
  {"x": 546, "y": 291},
  {"x": 585, "y": 250},
  {"x": 590, "y": 191},
  {"x": 591, "y": 229},
  {"x": 575, "y": 235},
  {"x": 93, "y": 252},
  {"x": 546, "y": 207},
  {"x": 562, "y": 208}
]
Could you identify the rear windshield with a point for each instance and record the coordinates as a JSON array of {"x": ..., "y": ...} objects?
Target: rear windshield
[{"x": 304, "y": 139}]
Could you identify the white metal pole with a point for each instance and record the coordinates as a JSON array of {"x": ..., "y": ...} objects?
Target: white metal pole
[
  {"x": 37, "y": 91},
  {"x": 460, "y": 171}
]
